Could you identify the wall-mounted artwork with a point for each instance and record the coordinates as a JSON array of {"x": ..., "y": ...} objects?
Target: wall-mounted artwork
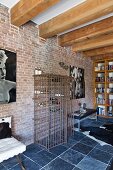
[
  {"x": 78, "y": 83},
  {"x": 7, "y": 76}
]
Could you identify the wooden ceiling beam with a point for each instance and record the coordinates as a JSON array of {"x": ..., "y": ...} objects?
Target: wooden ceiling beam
[
  {"x": 25, "y": 10},
  {"x": 83, "y": 13},
  {"x": 98, "y": 51},
  {"x": 102, "y": 56},
  {"x": 101, "y": 41},
  {"x": 95, "y": 29}
]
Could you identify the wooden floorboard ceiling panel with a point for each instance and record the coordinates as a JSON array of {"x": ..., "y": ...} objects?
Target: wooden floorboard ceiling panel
[
  {"x": 98, "y": 51},
  {"x": 25, "y": 10},
  {"x": 83, "y": 13},
  {"x": 101, "y": 41},
  {"x": 92, "y": 30}
]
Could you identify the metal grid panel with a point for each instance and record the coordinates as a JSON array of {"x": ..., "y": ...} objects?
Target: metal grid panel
[{"x": 53, "y": 114}]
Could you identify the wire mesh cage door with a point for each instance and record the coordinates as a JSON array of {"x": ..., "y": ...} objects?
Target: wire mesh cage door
[{"x": 52, "y": 118}]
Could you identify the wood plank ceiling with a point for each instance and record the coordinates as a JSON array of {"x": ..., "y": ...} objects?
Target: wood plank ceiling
[
  {"x": 24, "y": 11},
  {"x": 93, "y": 39}
]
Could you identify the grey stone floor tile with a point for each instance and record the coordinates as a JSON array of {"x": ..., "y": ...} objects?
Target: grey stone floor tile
[
  {"x": 57, "y": 150},
  {"x": 111, "y": 162},
  {"x": 70, "y": 143},
  {"x": 77, "y": 136},
  {"x": 100, "y": 155},
  {"x": 58, "y": 164},
  {"x": 30, "y": 154},
  {"x": 85, "y": 149},
  {"x": 34, "y": 148},
  {"x": 89, "y": 163},
  {"x": 76, "y": 168},
  {"x": 2, "y": 167},
  {"x": 28, "y": 164},
  {"x": 88, "y": 141},
  {"x": 11, "y": 162},
  {"x": 72, "y": 156},
  {"x": 42, "y": 158},
  {"x": 106, "y": 148}
]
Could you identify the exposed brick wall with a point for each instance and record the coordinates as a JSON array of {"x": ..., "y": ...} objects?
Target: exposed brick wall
[
  {"x": 25, "y": 42},
  {"x": 22, "y": 41},
  {"x": 50, "y": 54}
]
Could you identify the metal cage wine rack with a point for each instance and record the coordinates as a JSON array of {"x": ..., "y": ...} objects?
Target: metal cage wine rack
[{"x": 53, "y": 117}]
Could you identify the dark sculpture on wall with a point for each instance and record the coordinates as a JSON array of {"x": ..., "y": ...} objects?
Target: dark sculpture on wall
[
  {"x": 78, "y": 84},
  {"x": 7, "y": 76}
]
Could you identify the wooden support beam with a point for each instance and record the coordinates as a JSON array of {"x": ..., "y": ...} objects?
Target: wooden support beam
[
  {"x": 83, "y": 13},
  {"x": 95, "y": 29},
  {"x": 101, "y": 41},
  {"x": 25, "y": 10},
  {"x": 102, "y": 56},
  {"x": 98, "y": 51}
]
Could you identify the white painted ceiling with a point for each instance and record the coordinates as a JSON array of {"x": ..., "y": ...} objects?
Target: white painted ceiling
[
  {"x": 9, "y": 3},
  {"x": 55, "y": 10}
]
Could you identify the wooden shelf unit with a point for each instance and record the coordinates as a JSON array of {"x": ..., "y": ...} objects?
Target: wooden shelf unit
[
  {"x": 103, "y": 87},
  {"x": 53, "y": 117}
]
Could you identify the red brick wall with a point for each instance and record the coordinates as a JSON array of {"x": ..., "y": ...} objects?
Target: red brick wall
[
  {"x": 50, "y": 54},
  {"x": 25, "y": 42},
  {"x": 22, "y": 41}
]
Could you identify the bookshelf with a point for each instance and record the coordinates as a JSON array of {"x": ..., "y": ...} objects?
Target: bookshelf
[{"x": 103, "y": 87}]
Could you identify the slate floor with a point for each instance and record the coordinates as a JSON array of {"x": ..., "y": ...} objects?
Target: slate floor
[{"x": 80, "y": 153}]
